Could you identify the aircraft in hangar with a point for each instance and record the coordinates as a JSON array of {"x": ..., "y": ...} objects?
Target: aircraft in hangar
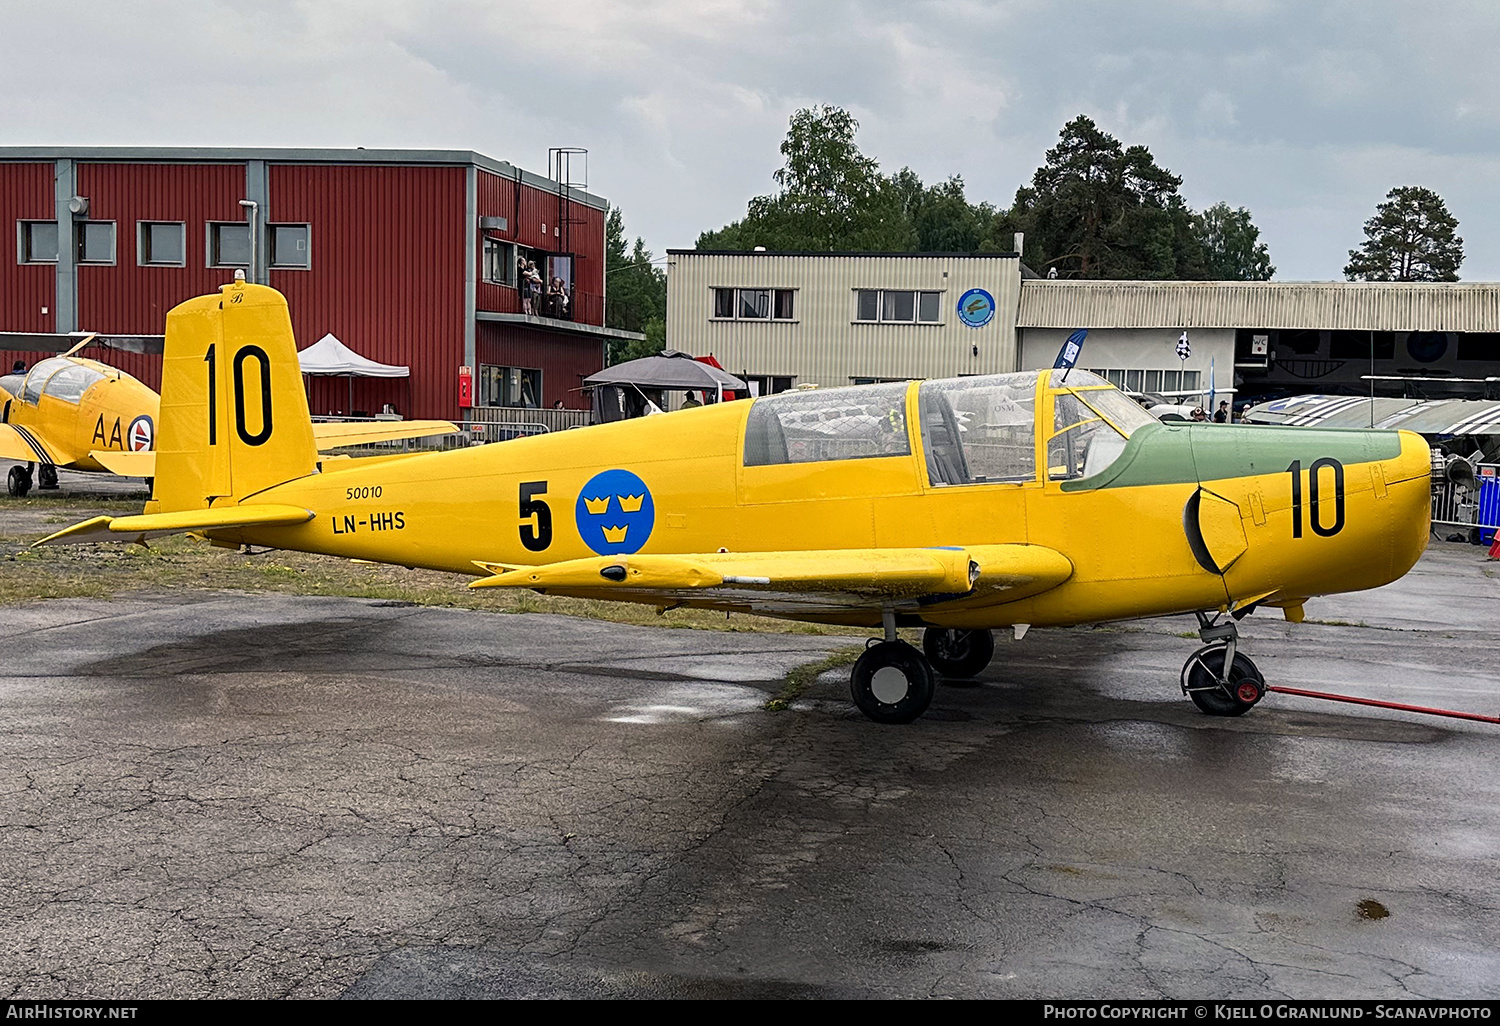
[
  {"x": 79, "y": 414},
  {"x": 961, "y": 506}
]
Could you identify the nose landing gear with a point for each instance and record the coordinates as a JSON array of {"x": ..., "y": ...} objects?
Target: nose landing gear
[{"x": 1220, "y": 680}]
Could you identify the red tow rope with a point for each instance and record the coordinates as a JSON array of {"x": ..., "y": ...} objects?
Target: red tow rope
[{"x": 1329, "y": 696}]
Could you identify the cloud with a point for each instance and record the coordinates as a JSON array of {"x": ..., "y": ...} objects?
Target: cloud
[{"x": 1305, "y": 113}]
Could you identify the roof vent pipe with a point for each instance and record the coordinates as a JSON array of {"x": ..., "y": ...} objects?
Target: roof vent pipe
[{"x": 1019, "y": 242}]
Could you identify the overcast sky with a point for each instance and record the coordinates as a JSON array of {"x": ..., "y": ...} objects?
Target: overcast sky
[{"x": 1305, "y": 112}]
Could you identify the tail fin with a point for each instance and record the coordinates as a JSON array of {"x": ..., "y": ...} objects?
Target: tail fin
[{"x": 234, "y": 418}]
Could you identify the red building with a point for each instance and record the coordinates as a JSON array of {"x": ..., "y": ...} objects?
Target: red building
[{"x": 407, "y": 256}]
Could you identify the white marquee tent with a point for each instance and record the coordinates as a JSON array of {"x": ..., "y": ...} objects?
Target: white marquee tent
[{"x": 328, "y": 356}]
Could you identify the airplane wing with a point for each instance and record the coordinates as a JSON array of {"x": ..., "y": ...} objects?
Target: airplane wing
[
  {"x": 332, "y": 436},
  {"x": 18, "y": 443},
  {"x": 834, "y": 581}
]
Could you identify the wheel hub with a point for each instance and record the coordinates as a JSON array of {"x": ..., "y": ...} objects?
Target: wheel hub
[{"x": 889, "y": 685}]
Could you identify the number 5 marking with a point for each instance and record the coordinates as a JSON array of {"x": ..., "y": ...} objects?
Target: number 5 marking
[{"x": 535, "y": 537}]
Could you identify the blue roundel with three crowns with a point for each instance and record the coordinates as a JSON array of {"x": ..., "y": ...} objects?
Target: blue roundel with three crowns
[{"x": 615, "y": 513}]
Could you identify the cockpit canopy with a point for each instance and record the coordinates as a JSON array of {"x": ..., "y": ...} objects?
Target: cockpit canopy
[
  {"x": 975, "y": 430},
  {"x": 60, "y": 378}
]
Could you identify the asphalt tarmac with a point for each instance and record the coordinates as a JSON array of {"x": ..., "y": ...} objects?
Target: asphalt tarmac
[{"x": 226, "y": 795}]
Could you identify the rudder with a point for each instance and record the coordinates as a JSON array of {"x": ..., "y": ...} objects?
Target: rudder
[{"x": 234, "y": 419}]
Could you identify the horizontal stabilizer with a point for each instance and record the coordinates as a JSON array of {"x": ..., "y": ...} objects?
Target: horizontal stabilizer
[
  {"x": 334, "y": 436},
  {"x": 152, "y": 525},
  {"x": 125, "y": 464}
]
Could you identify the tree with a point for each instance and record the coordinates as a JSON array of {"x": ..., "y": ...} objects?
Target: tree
[
  {"x": 1412, "y": 237},
  {"x": 1096, "y": 209},
  {"x": 831, "y": 196},
  {"x": 1231, "y": 250},
  {"x": 635, "y": 293}
]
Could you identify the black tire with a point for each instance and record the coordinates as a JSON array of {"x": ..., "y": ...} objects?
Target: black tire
[
  {"x": 888, "y": 697},
  {"x": 47, "y": 477},
  {"x": 18, "y": 482},
  {"x": 1245, "y": 681},
  {"x": 956, "y": 653}
]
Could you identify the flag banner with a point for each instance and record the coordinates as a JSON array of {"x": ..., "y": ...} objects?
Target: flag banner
[
  {"x": 1183, "y": 349},
  {"x": 1067, "y": 356}
]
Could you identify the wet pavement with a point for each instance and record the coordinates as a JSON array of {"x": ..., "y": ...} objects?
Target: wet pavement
[{"x": 233, "y": 795}]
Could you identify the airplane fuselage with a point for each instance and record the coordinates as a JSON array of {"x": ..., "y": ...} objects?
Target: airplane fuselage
[{"x": 1280, "y": 514}]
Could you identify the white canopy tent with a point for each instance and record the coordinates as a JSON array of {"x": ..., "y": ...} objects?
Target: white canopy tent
[{"x": 328, "y": 356}]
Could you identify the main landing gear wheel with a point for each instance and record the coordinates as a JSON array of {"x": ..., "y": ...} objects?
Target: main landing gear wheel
[
  {"x": 958, "y": 654},
  {"x": 18, "y": 482},
  {"x": 892, "y": 682},
  {"x": 1204, "y": 681},
  {"x": 47, "y": 475}
]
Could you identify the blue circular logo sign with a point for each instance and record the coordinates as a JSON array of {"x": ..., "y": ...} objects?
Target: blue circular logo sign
[
  {"x": 976, "y": 308},
  {"x": 615, "y": 513}
]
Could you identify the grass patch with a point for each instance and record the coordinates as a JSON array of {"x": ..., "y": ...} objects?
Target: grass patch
[
  {"x": 180, "y": 563},
  {"x": 802, "y": 677}
]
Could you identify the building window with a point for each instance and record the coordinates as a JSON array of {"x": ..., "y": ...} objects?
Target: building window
[
  {"x": 1155, "y": 381},
  {"x": 291, "y": 245},
  {"x": 37, "y": 242},
  {"x": 755, "y": 304},
  {"x": 499, "y": 262},
  {"x": 228, "y": 244},
  {"x": 767, "y": 384},
  {"x": 897, "y": 306},
  {"x": 96, "y": 242},
  {"x": 510, "y": 386},
  {"x": 161, "y": 244}
]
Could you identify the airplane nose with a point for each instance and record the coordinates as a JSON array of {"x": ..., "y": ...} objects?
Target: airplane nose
[{"x": 1409, "y": 482}]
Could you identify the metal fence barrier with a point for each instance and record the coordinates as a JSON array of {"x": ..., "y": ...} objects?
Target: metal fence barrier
[{"x": 1471, "y": 508}]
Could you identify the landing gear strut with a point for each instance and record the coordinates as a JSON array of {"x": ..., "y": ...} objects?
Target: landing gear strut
[
  {"x": 892, "y": 682},
  {"x": 18, "y": 481},
  {"x": 1220, "y": 680}
]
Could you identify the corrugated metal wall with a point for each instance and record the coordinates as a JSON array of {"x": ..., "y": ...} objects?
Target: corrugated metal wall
[
  {"x": 535, "y": 223},
  {"x": 25, "y": 195},
  {"x": 387, "y": 248},
  {"x": 126, "y": 297},
  {"x": 564, "y": 360},
  {"x": 1355, "y": 306},
  {"x": 824, "y": 344}
]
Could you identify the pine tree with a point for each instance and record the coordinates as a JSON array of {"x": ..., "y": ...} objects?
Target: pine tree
[{"x": 1412, "y": 237}]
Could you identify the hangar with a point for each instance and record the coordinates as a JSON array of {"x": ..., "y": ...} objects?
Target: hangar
[
  {"x": 784, "y": 319},
  {"x": 411, "y": 257}
]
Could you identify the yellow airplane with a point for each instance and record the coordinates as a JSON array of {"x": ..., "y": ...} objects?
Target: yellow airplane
[
  {"x": 79, "y": 414},
  {"x": 959, "y": 506}
]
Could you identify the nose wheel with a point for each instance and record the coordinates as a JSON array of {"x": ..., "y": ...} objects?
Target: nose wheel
[{"x": 1220, "y": 680}]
